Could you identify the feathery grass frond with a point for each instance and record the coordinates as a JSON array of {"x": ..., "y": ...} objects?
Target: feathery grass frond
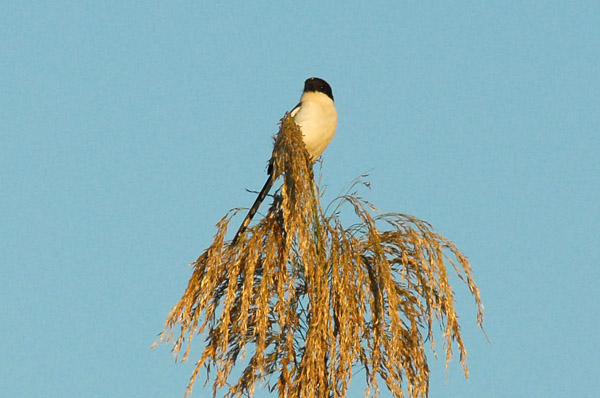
[{"x": 308, "y": 300}]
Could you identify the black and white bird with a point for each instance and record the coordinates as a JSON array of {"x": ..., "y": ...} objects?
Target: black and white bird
[{"x": 316, "y": 116}]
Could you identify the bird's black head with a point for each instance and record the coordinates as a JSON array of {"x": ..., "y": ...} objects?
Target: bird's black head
[{"x": 319, "y": 85}]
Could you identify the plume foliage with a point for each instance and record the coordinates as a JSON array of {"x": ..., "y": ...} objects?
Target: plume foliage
[{"x": 299, "y": 301}]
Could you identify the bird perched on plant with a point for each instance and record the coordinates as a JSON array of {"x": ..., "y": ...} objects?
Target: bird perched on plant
[{"x": 316, "y": 116}]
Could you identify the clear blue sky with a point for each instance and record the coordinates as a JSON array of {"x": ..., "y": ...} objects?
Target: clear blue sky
[{"x": 128, "y": 130}]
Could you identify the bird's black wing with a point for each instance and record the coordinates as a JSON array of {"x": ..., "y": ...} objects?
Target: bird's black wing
[{"x": 295, "y": 110}]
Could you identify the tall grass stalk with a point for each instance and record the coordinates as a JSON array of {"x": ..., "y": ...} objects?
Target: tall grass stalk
[{"x": 300, "y": 302}]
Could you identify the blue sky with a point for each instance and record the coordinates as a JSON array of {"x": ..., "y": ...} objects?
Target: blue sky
[{"x": 128, "y": 129}]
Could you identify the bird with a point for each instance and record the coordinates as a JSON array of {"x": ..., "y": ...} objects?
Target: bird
[{"x": 316, "y": 116}]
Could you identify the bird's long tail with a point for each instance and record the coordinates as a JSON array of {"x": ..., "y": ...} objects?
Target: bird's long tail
[{"x": 261, "y": 196}]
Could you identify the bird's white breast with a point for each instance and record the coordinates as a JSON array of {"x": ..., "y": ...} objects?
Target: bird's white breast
[{"x": 317, "y": 119}]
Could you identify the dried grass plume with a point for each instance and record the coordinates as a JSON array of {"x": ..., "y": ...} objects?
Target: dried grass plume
[{"x": 299, "y": 301}]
